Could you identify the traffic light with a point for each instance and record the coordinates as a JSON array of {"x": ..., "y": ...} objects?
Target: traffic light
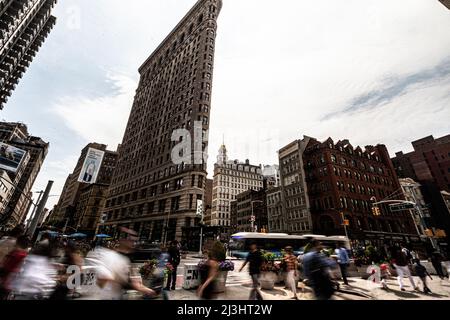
[
  {"x": 429, "y": 233},
  {"x": 440, "y": 233},
  {"x": 376, "y": 211}
]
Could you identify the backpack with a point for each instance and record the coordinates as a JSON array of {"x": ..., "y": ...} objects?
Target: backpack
[{"x": 324, "y": 287}]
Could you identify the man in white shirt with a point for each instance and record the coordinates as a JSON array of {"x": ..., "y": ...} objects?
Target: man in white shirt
[{"x": 113, "y": 272}]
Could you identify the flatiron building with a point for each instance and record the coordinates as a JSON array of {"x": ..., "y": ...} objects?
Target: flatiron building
[{"x": 150, "y": 192}]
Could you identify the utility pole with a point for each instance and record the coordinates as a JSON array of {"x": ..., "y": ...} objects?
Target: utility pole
[
  {"x": 34, "y": 209},
  {"x": 40, "y": 209},
  {"x": 200, "y": 251}
]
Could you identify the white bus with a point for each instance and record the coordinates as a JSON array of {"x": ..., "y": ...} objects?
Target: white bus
[{"x": 239, "y": 244}]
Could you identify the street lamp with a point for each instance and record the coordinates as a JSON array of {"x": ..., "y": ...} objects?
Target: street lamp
[{"x": 253, "y": 218}]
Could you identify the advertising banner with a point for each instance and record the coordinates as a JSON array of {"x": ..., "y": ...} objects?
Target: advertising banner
[
  {"x": 11, "y": 157},
  {"x": 91, "y": 166}
]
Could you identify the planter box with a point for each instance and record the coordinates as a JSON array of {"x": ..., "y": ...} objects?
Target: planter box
[{"x": 268, "y": 280}]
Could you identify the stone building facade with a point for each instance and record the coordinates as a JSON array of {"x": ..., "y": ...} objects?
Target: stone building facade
[{"x": 150, "y": 191}]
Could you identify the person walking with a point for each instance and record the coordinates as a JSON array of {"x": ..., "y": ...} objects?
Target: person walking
[
  {"x": 8, "y": 242},
  {"x": 113, "y": 269},
  {"x": 208, "y": 274},
  {"x": 343, "y": 261},
  {"x": 11, "y": 265},
  {"x": 422, "y": 273},
  {"x": 37, "y": 279},
  {"x": 401, "y": 265},
  {"x": 316, "y": 269},
  {"x": 255, "y": 261},
  {"x": 436, "y": 261},
  {"x": 385, "y": 274},
  {"x": 291, "y": 263},
  {"x": 174, "y": 260}
]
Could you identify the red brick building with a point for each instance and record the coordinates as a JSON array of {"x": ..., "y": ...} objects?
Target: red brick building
[
  {"x": 430, "y": 161},
  {"x": 343, "y": 180},
  {"x": 429, "y": 164}
]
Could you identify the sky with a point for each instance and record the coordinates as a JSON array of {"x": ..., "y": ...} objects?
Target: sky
[{"x": 371, "y": 71}]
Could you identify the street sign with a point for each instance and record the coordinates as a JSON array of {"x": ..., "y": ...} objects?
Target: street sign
[
  {"x": 401, "y": 207},
  {"x": 346, "y": 222},
  {"x": 252, "y": 219}
]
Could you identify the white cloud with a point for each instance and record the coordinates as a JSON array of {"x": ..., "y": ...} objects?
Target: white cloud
[{"x": 102, "y": 119}]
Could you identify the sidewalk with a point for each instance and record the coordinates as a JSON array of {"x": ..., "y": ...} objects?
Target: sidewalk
[{"x": 359, "y": 289}]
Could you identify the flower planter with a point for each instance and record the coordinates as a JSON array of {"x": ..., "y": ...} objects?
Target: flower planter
[
  {"x": 268, "y": 280},
  {"x": 221, "y": 281},
  {"x": 280, "y": 278}
]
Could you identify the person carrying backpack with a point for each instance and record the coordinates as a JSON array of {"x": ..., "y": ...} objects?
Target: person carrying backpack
[{"x": 316, "y": 269}]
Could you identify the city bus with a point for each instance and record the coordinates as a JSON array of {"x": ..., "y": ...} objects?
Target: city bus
[{"x": 239, "y": 244}]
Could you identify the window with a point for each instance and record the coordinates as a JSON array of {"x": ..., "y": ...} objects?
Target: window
[{"x": 333, "y": 158}]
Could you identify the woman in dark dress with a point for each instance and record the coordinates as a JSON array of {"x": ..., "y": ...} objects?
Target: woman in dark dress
[{"x": 208, "y": 274}]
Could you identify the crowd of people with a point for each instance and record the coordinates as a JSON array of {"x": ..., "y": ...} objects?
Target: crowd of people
[
  {"x": 47, "y": 269},
  {"x": 318, "y": 269},
  {"x": 40, "y": 270}
]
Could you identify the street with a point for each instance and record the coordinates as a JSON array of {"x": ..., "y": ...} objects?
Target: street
[{"x": 239, "y": 286}]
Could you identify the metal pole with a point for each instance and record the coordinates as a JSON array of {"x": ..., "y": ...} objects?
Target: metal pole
[
  {"x": 200, "y": 251},
  {"x": 34, "y": 209},
  {"x": 252, "y": 220},
  {"x": 65, "y": 226},
  {"x": 40, "y": 209}
]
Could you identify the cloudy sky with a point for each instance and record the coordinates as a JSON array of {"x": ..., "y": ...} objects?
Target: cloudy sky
[{"x": 372, "y": 71}]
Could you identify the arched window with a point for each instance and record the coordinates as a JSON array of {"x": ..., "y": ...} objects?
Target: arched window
[{"x": 333, "y": 158}]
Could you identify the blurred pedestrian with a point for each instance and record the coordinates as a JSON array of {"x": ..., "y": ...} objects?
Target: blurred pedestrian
[
  {"x": 291, "y": 263},
  {"x": 422, "y": 273},
  {"x": 174, "y": 260},
  {"x": 255, "y": 261},
  {"x": 385, "y": 274},
  {"x": 401, "y": 265},
  {"x": 113, "y": 269},
  {"x": 37, "y": 279},
  {"x": 209, "y": 274},
  {"x": 436, "y": 261},
  {"x": 11, "y": 265},
  {"x": 316, "y": 268},
  {"x": 71, "y": 257},
  {"x": 8, "y": 242},
  {"x": 343, "y": 260}
]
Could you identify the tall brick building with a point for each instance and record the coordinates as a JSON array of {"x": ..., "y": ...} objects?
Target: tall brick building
[
  {"x": 296, "y": 204},
  {"x": 248, "y": 203},
  {"x": 15, "y": 208},
  {"x": 149, "y": 192},
  {"x": 80, "y": 204},
  {"x": 24, "y": 25},
  {"x": 345, "y": 179},
  {"x": 429, "y": 164},
  {"x": 430, "y": 161}
]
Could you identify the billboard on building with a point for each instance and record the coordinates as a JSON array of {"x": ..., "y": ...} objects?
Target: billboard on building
[
  {"x": 200, "y": 208},
  {"x": 11, "y": 157},
  {"x": 91, "y": 166}
]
